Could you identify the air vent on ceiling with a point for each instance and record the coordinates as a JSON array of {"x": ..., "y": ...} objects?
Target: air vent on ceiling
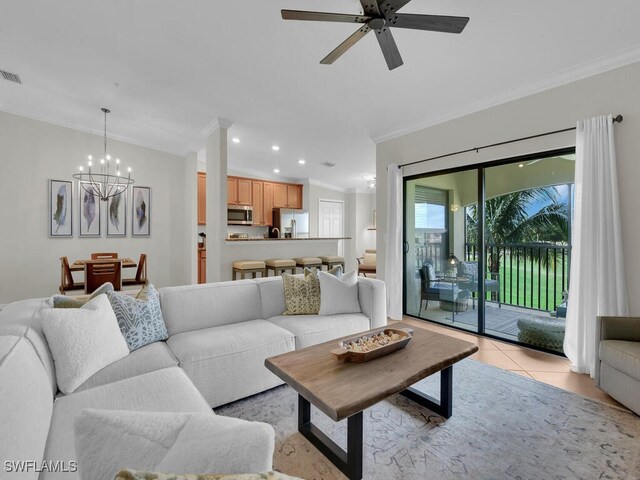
[
  {"x": 12, "y": 77},
  {"x": 329, "y": 164}
]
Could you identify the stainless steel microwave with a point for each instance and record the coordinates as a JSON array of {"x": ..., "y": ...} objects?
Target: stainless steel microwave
[{"x": 239, "y": 215}]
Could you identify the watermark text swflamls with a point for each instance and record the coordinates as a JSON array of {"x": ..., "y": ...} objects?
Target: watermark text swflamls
[{"x": 57, "y": 466}]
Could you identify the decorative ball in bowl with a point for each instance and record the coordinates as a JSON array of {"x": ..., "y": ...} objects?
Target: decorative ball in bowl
[{"x": 373, "y": 344}]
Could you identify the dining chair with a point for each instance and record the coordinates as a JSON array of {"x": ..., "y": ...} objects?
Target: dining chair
[
  {"x": 66, "y": 279},
  {"x": 141, "y": 273},
  {"x": 103, "y": 256},
  {"x": 97, "y": 272}
]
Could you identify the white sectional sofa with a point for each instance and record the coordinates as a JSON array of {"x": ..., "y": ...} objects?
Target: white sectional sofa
[{"x": 219, "y": 336}]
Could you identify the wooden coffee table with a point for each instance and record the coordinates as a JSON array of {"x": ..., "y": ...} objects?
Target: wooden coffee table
[{"x": 344, "y": 390}]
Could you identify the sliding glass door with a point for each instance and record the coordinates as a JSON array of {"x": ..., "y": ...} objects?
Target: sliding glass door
[
  {"x": 435, "y": 244},
  {"x": 502, "y": 269}
]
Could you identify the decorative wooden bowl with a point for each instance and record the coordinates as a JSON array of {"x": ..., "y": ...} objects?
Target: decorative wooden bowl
[{"x": 345, "y": 355}]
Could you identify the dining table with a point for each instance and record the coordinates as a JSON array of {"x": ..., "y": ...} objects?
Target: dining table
[{"x": 78, "y": 265}]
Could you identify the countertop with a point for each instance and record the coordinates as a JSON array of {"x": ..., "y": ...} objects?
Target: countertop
[{"x": 261, "y": 239}]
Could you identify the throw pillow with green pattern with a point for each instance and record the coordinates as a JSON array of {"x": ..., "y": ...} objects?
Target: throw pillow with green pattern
[{"x": 301, "y": 295}]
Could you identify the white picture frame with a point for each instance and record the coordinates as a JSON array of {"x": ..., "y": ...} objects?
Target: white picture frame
[
  {"x": 60, "y": 209},
  {"x": 141, "y": 211},
  {"x": 89, "y": 213}
]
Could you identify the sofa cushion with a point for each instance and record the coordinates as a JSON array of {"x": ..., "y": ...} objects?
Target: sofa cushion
[
  {"x": 622, "y": 355},
  {"x": 271, "y": 296},
  {"x": 140, "y": 318},
  {"x": 313, "y": 329},
  {"x": 194, "y": 307},
  {"x": 83, "y": 341},
  {"x": 23, "y": 319},
  {"x": 66, "y": 301},
  {"x": 166, "y": 390},
  {"x": 146, "y": 359},
  {"x": 226, "y": 363},
  {"x": 26, "y": 403},
  {"x": 105, "y": 440}
]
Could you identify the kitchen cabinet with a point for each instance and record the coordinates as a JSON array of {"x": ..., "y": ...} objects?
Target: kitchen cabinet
[
  {"x": 267, "y": 204},
  {"x": 286, "y": 195},
  {"x": 202, "y": 198},
  {"x": 257, "y": 195},
  {"x": 238, "y": 191}
]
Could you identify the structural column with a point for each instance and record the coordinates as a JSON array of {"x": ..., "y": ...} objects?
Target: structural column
[
  {"x": 216, "y": 155},
  {"x": 191, "y": 214}
]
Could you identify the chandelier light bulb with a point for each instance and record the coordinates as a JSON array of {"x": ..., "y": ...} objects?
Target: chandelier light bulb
[
  {"x": 102, "y": 161},
  {"x": 117, "y": 161},
  {"x": 108, "y": 157},
  {"x": 129, "y": 169},
  {"x": 81, "y": 168},
  {"x": 89, "y": 157},
  {"x": 90, "y": 163},
  {"x": 118, "y": 173}
]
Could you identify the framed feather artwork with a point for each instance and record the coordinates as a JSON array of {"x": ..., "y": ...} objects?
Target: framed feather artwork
[
  {"x": 117, "y": 215},
  {"x": 60, "y": 208},
  {"x": 90, "y": 225},
  {"x": 141, "y": 211}
]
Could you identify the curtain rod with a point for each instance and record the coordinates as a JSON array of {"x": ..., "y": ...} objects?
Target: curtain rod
[{"x": 618, "y": 118}]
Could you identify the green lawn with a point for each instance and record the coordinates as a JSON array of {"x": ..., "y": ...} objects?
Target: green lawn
[{"x": 524, "y": 287}]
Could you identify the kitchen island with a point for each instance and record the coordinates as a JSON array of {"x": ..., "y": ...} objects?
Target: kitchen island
[{"x": 265, "y": 248}]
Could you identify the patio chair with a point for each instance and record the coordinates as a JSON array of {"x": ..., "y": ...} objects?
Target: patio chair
[
  {"x": 468, "y": 279},
  {"x": 442, "y": 289}
]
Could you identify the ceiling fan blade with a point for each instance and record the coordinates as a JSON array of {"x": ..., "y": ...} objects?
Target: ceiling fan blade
[
  {"x": 433, "y": 23},
  {"x": 346, "y": 45},
  {"x": 389, "y": 7},
  {"x": 370, "y": 7},
  {"x": 389, "y": 48},
  {"x": 323, "y": 17}
]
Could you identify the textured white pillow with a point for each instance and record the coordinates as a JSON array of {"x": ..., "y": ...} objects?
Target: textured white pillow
[
  {"x": 107, "y": 441},
  {"x": 338, "y": 295},
  {"x": 82, "y": 341}
]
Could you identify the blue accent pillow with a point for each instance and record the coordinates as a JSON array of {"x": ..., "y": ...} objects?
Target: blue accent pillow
[{"x": 140, "y": 318}]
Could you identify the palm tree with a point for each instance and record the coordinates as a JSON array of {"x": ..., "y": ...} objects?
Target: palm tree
[{"x": 508, "y": 219}]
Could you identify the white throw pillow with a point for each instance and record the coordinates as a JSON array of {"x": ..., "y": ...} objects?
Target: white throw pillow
[
  {"x": 338, "y": 295},
  {"x": 82, "y": 341},
  {"x": 107, "y": 441}
]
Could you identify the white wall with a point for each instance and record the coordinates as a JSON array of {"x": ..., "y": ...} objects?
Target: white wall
[
  {"x": 31, "y": 153},
  {"x": 613, "y": 92}
]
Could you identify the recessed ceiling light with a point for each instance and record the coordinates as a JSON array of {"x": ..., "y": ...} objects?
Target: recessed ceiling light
[
  {"x": 235, "y": 140},
  {"x": 301, "y": 162},
  {"x": 276, "y": 170},
  {"x": 521, "y": 165},
  {"x": 275, "y": 148}
]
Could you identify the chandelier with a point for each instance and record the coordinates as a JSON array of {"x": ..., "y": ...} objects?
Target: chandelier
[{"x": 104, "y": 180}]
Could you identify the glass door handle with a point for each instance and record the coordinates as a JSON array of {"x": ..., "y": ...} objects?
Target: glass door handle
[{"x": 405, "y": 247}]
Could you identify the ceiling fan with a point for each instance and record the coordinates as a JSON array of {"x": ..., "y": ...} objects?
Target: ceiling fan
[{"x": 379, "y": 16}]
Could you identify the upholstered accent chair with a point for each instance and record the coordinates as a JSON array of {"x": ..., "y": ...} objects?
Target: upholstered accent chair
[{"x": 468, "y": 279}]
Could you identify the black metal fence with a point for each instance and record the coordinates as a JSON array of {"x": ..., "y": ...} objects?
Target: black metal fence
[{"x": 530, "y": 275}]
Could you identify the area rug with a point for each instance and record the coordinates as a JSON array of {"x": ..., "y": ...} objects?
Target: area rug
[{"x": 504, "y": 426}]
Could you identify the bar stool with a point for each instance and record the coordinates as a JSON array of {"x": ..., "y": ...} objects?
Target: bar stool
[
  {"x": 247, "y": 266},
  {"x": 279, "y": 265},
  {"x": 308, "y": 262},
  {"x": 331, "y": 261}
]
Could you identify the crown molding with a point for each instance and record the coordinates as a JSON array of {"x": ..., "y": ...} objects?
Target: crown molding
[
  {"x": 564, "y": 77},
  {"x": 94, "y": 131},
  {"x": 328, "y": 186},
  {"x": 216, "y": 124}
]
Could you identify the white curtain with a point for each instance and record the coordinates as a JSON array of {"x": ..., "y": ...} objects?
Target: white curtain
[
  {"x": 597, "y": 282},
  {"x": 393, "y": 252}
]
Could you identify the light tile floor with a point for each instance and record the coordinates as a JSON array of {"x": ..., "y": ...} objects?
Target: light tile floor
[{"x": 544, "y": 367}]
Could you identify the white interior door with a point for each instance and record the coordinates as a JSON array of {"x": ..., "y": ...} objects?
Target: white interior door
[{"x": 331, "y": 221}]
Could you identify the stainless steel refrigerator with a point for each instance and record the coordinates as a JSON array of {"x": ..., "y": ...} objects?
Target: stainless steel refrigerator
[{"x": 291, "y": 223}]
